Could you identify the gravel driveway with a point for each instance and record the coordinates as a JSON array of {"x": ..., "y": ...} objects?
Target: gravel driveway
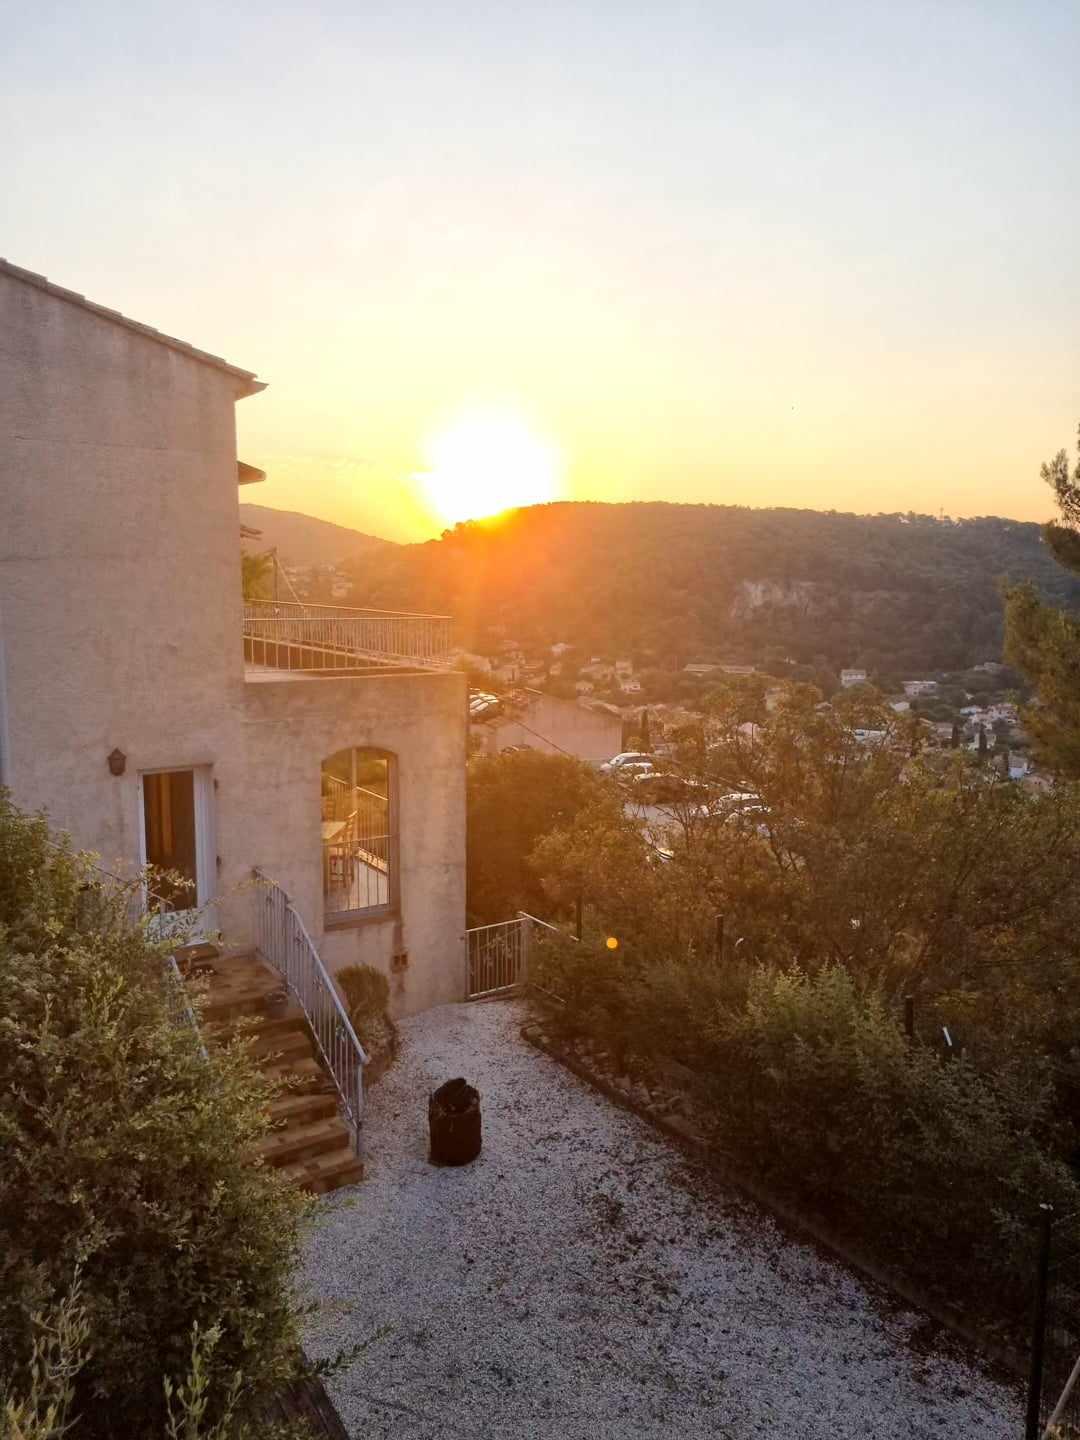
[{"x": 583, "y": 1280}]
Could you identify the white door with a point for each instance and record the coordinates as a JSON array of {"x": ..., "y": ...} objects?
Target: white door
[{"x": 177, "y": 836}]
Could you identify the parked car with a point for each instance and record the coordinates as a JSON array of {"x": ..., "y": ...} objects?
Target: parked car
[
  {"x": 628, "y": 757},
  {"x": 740, "y": 805},
  {"x": 659, "y": 787},
  {"x": 634, "y": 771},
  {"x": 482, "y": 705}
]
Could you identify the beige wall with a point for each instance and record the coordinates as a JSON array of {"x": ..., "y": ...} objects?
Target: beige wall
[
  {"x": 289, "y": 729},
  {"x": 120, "y": 625},
  {"x": 566, "y": 727},
  {"x": 118, "y": 562}
]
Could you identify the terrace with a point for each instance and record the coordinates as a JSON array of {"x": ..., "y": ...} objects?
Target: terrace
[
  {"x": 584, "y": 1279},
  {"x": 290, "y": 638}
]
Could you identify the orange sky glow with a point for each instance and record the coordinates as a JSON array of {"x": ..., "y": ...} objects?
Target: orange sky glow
[{"x": 754, "y": 255}]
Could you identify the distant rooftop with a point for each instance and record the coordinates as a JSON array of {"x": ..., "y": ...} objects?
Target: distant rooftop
[{"x": 251, "y": 386}]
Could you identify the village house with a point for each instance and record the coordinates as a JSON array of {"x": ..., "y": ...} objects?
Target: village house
[
  {"x": 848, "y": 678},
  {"x": 920, "y": 687},
  {"x": 533, "y": 720},
  {"x": 160, "y": 719}
]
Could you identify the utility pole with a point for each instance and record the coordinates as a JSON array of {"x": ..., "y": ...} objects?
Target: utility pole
[{"x": 1038, "y": 1324}]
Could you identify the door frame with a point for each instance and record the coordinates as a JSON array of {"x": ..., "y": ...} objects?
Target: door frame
[{"x": 205, "y": 843}]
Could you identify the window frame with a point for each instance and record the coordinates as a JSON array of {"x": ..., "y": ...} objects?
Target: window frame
[{"x": 391, "y": 909}]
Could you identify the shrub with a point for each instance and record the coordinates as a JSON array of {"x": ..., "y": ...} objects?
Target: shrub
[
  {"x": 367, "y": 993},
  {"x": 809, "y": 1083},
  {"x": 127, "y": 1157},
  {"x": 816, "y": 1086}
]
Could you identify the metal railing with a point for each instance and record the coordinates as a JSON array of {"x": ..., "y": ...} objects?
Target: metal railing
[
  {"x": 356, "y": 847},
  {"x": 282, "y": 940},
  {"x": 291, "y": 635},
  {"x": 499, "y": 955}
]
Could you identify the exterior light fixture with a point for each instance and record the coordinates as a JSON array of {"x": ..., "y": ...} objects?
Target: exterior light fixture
[{"x": 117, "y": 762}]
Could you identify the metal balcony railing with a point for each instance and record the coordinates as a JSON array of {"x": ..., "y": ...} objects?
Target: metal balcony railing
[{"x": 291, "y": 635}]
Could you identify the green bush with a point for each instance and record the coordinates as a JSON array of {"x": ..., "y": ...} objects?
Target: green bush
[
  {"x": 127, "y": 1158},
  {"x": 817, "y": 1087},
  {"x": 512, "y": 800},
  {"x": 367, "y": 993},
  {"x": 43, "y": 1408},
  {"x": 809, "y": 1083}
]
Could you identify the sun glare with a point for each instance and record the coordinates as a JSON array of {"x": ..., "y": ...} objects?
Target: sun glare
[{"x": 485, "y": 461}]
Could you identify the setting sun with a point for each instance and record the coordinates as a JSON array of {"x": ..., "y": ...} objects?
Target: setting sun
[{"x": 487, "y": 460}]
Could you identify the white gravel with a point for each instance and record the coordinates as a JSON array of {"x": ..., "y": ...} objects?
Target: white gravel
[{"x": 582, "y": 1280}]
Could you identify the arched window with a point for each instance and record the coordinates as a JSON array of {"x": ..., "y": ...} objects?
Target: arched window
[{"x": 359, "y": 833}]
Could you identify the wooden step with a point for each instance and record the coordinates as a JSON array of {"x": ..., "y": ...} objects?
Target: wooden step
[
  {"x": 280, "y": 1050},
  {"x": 312, "y": 1077},
  {"x": 326, "y": 1172},
  {"x": 256, "y": 1027},
  {"x": 309, "y": 1142},
  {"x": 300, "y": 1106},
  {"x": 262, "y": 1041},
  {"x": 239, "y": 987},
  {"x": 225, "y": 1006},
  {"x": 296, "y": 1143}
]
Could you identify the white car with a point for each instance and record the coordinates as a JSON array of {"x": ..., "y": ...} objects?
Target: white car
[
  {"x": 635, "y": 771},
  {"x": 628, "y": 757}
]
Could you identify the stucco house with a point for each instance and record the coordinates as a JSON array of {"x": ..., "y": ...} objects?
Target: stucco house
[
  {"x": 158, "y": 718},
  {"x": 534, "y": 720}
]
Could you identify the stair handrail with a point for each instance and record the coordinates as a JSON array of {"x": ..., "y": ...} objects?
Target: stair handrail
[{"x": 282, "y": 940}]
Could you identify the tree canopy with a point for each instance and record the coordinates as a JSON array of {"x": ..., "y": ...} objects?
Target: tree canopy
[
  {"x": 667, "y": 584},
  {"x": 1044, "y": 641}
]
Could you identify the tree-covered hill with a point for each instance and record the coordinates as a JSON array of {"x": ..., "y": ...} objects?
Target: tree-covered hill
[
  {"x": 891, "y": 592},
  {"x": 304, "y": 540}
]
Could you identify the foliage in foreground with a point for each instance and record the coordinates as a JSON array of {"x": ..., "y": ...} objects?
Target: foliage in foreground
[{"x": 127, "y": 1161}]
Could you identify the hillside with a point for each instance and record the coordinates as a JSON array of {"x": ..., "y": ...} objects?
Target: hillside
[
  {"x": 891, "y": 592},
  {"x": 303, "y": 540}
]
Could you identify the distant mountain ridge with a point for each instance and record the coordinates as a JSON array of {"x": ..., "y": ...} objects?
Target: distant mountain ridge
[
  {"x": 304, "y": 540},
  {"x": 907, "y": 592}
]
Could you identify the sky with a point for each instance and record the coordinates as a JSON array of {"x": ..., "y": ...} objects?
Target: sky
[{"x": 775, "y": 253}]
